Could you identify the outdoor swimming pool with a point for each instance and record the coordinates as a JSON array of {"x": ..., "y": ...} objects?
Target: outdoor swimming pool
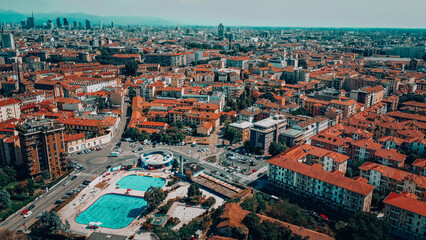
[
  {"x": 140, "y": 183},
  {"x": 113, "y": 211}
]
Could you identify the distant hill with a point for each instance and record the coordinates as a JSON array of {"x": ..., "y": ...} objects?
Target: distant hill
[{"x": 9, "y": 16}]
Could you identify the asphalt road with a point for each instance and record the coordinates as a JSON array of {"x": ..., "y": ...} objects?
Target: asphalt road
[{"x": 95, "y": 164}]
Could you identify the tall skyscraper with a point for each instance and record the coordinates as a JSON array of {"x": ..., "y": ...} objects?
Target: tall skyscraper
[
  {"x": 220, "y": 30},
  {"x": 49, "y": 24},
  {"x": 66, "y": 24},
  {"x": 112, "y": 24},
  {"x": 31, "y": 21},
  {"x": 42, "y": 144},
  {"x": 88, "y": 24},
  {"x": 7, "y": 41},
  {"x": 58, "y": 22},
  {"x": 100, "y": 24},
  {"x": 75, "y": 24}
]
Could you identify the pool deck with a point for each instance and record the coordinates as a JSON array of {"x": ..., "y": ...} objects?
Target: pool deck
[{"x": 90, "y": 194}]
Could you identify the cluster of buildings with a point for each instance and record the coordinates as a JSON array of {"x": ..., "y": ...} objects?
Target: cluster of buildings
[{"x": 339, "y": 106}]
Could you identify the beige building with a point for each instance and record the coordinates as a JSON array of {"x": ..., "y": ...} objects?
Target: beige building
[{"x": 9, "y": 108}]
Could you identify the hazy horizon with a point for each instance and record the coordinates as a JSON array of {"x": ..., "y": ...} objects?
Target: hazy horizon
[{"x": 268, "y": 13}]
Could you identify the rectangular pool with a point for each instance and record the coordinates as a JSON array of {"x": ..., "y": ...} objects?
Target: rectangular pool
[
  {"x": 140, "y": 183},
  {"x": 113, "y": 211}
]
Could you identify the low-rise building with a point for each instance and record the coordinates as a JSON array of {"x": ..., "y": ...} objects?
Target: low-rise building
[
  {"x": 331, "y": 188},
  {"x": 406, "y": 214},
  {"x": 387, "y": 179}
]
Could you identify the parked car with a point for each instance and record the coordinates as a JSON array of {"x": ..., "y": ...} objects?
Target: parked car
[
  {"x": 108, "y": 167},
  {"x": 31, "y": 206},
  {"x": 59, "y": 201},
  {"x": 24, "y": 212},
  {"x": 28, "y": 214},
  {"x": 66, "y": 183},
  {"x": 73, "y": 177}
]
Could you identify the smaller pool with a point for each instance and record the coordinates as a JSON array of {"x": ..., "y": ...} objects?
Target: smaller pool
[
  {"x": 140, "y": 183},
  {"x": 113, "y": 211}
]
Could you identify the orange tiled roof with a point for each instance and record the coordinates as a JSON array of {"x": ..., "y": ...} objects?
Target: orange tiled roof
[
  {"x": 322, "y": 175},
  {"x": 403, "y": 201}
]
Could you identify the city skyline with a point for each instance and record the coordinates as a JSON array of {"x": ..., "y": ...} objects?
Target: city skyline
[{"x": 306, "y": 13}]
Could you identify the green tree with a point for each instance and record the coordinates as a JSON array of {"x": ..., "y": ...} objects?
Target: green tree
[
  {"x": 210, "y": 201},
  {"x": 101, "y": 103},
  {"x": 11, "y": 172},
  {"x": 364, "y": 226},
  {"x": 299, "y": 111},
  {"x": 132, "y": 133},
  {"x": 194, "y": 190},
  {"x": 155, "y": 196},
  {"x": 45, "y": 175},
  {"x": 4, "y": 199},
  {"x": 132, "y": 93},
  {"x": 268, "y": 95},
  {"x": 424, "y": 57},
  {"x": 230, "y": 134},
  {"x": 194, "y": 193},
  {"x": 4, "y": 178},
  {"x": 131, "y": 68},
  {"x": 51, "y": 224},
  {"x": 303, "y": 64},
  {"x": 276, "y": 148}
]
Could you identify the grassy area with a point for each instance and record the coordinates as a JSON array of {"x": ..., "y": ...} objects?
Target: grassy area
[
  {"x": 211, "y": 159},
  {"x": 15, "y": 206},
  {"x": 24, "y": 195}
]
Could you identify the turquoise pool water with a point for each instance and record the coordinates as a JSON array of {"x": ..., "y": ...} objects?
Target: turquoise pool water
[
  {"x": 113, "y": 211},
  {"x": 140, "y": 183}
]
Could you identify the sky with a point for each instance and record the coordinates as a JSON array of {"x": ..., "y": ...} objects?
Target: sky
[{"x": 274, "y": 13}]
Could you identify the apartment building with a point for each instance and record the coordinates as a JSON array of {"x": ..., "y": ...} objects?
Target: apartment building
[
  {"x": 348, "y": 106},
  {"x": 243, "y": 129},
  {"x": 9, "y": 108},
  {"x": 266, "y": 131},
  {"x": 364, "y": 149},
  {"x": 42, "y": 143},
  {"x": 390, "y": 157},
  {"x": 419, "y": 167},
  {"x": 387, "y": 179},
  {"x": 332, "y": 189},
  {"x": 406, "y": 214}
]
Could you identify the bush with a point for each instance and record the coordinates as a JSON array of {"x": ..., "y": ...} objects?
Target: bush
[{"x": 210, "y": 201}]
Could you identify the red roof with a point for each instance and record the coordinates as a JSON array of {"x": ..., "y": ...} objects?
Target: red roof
[
  {"x": 419, "y": 163},
  {"x": 8, "y": 101},
  {"x": 391, "y": 154},
  {"x": 403, "y": 201},
  {"x": 367, "y": 144},
  {"x": 69, "y": 138},
  {"x": 322, "y": 175}
]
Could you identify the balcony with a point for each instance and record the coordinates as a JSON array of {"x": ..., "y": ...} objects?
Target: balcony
[{"x": 394, "y": 212}]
